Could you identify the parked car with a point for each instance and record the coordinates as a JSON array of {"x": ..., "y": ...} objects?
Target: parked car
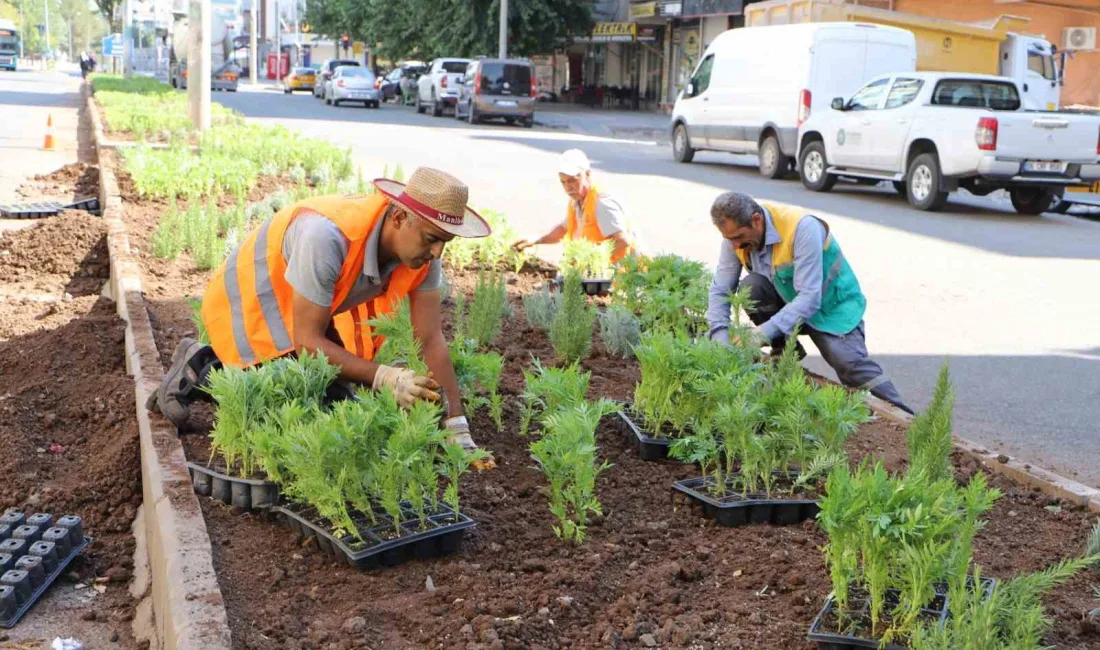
[
  {"x": 300, "y": 79},
  {"x": 352, "y": 84},
  {"x": 754, "y": 86},
  {"x": 439, "y": 86},
  {"x": 934, "y": 132},
  {"x": 394, "y": 84},
  {"x": 225, "y": 77},
  {"x": 498, "y": 88},
  {"x": 328, "y": 66}
]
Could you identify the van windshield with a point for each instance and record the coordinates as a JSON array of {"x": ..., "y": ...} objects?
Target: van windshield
[
  {"x": 506, "y": 79},
  {"x": 977, "y": 93}
]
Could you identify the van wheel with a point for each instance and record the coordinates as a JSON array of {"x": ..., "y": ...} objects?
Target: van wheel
[
  {"x": 472, "y": 117},
  {"x": 681, "y": 145},
  {"x": 925, "y": 183},
  {"x": 1032, "y": 200},
  {"x": 901, "y": 189},
  {"x": 773, "y": 164},
  {"x": 528, "y": 122},
  {"x": 812, "y": 168}
]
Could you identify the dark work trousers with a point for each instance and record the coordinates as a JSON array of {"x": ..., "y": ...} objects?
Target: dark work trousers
[{"x": 846, "y": 354}]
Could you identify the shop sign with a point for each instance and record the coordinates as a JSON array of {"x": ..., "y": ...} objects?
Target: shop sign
[
  {"x": 672, "y": 8},
  {"x": 648, "y": 33},
  {"x": 643, "y": 10},
  {"x": 612, "y": 33}
]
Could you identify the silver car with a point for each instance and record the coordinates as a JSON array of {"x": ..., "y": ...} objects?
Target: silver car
[
  {"x": 352, "y": 84},
  {"x": 498, "y": 88}
]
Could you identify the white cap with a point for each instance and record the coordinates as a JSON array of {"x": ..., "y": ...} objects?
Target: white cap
[{"x": 573, "y": 163}]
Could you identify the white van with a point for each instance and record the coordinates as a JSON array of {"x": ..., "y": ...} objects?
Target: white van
[{"x": 755, "y": 86}]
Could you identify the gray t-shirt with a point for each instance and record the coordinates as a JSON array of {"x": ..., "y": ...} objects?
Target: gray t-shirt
[
  {"x": 609, "y": 215},
  {"x": 314, "y": 250}
]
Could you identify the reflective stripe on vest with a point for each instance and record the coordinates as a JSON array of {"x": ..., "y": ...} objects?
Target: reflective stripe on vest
[
  {"x": 247, "y": 305},
  {"x": 590, "y": 224}
]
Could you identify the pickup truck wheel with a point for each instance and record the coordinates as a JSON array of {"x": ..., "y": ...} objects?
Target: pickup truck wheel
[
  {"x": 901, "y": 189},
  {"x": 419, "y": 106},
  {"x": 1031, "y": 200},
  {"x": 681, "y": 145},
  {"x": 812, "y": 168},
  {"x": 437, "y": 107},
  {"x": 773, "y": 164},
  {"x": 925, "y": 183}
]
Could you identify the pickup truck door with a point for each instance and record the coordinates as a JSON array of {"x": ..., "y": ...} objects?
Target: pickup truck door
[
  {"x": 851, "y": 142},
  {"x": 888, "y": 130}
]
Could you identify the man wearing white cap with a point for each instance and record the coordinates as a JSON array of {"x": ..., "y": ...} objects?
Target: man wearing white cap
[
  {"x": 592, "y": 213},
  {"x": 312, "y": 277}
]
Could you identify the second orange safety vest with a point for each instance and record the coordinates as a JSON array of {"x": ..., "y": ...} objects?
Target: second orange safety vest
[
  {"x": 590, "y": 225},
  {"x": 247, "y": 305}
]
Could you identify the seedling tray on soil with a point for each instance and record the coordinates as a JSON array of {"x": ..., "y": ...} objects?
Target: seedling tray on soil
[
  {"x": 859, "y": 636},
  {"x": 379, "y": 545},
  {"x": 33, "y": 210},
  {"x": 649, "y": 448},
  {"x": 736, "y": 509},
  {"x": 34, "y": 551},
  {"x": 590, "y": 287},
  {"x": 250, "y": 494}
]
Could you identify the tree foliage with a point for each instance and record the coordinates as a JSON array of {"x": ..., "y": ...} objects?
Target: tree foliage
[{"x": 425, "y": 29}]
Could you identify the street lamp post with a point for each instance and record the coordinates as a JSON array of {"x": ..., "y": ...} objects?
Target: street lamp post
[
  {"x": 252, "y": 42},
  {"x": 503, "y": 29},
  {"x": 198, "y": 63},
  {"x": 46, "y": 7}
]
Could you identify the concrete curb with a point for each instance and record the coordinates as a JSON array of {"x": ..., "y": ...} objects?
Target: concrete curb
[
  {"x": 187, "y": 602},
  {"x": 1020, "y": 471}
]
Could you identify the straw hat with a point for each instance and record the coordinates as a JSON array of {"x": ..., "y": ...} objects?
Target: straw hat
[{"x": 438, "y": 197}]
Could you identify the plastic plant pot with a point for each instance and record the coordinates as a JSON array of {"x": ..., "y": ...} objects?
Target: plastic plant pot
[
  {"x": 250, "y": 494},
  {"x": 76, "y": 528},
  {"x": 20, "y": 582},
  {"x": 8, "y": 604},
  {"x": 48, "y": 552},
  {"x": 15, "y": 547},
  {"x": 649, "y": 447},
  {"x": 733, "y": 509},
  {"x": 7, "y": 562},
  {"x": 5, "y": 532},
  {"x": 13, "y": 518},
  {"x": 30, "y": 533},
  {"x": 596, "y": 287},
  {"x": 32, "y": 564},
  {"x": 60, "y": 538}
]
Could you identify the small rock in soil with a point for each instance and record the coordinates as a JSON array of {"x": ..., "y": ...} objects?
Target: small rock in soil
[
  {"x": 544, "y": 611},
  {"x": 648, "y": 640},
  {"x": 354, "y": 625},
  {"x": 114, "y": 637},
  {"x": 565, "y": 601},
  {"x": 429, "y": 585},
  {"x": 88, "y": 616},
  {"x": 118, "y": 574}
]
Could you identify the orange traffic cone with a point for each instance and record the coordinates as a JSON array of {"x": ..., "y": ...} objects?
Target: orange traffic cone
[{"x": 48, "y": 144}]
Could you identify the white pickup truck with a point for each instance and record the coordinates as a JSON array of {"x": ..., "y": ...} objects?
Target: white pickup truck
[
  {"x": 440, "y": 85},
  {"x": 932, "y": 133}
]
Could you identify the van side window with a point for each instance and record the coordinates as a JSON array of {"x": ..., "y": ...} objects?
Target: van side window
[
  {"x": 701, "y": 79},
  {"x": 903, "y": 91},
  {"x": 869, "y": 97}
]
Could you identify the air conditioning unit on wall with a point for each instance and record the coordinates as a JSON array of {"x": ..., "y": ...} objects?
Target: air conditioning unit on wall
[{"x": 1079, "y": 38}]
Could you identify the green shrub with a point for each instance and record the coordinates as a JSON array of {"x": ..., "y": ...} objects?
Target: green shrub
[{"x": 571, "y": 330}]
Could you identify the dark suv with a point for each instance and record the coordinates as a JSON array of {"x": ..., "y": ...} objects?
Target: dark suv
[
  {"x": 498, "y": 88},
  {"x": 327, "y": 68}
]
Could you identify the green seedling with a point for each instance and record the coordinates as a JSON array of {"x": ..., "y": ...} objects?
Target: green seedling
[
  {"x": 591, "y": 260},
  {"x": 620, "y": 331},
  {"x": 541, "y": 306},
  {"x": 548, "y": 390},
  {"x": 571, "y": 330}
]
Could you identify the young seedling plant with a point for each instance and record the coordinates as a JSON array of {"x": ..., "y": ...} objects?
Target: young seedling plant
[
  {"x": 548, "y": 390},
  {"x": 571, "y": 329},
  {"x": 592, "y": 260}
]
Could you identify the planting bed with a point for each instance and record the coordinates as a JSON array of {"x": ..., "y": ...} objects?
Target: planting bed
[
  {"x": 68, "y": 434},
  {"x": 651, "y": 571}
]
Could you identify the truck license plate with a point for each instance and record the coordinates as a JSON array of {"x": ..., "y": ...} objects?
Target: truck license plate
[
  {"x": 506, "y": 104},
  {"x": 1045, "y": 166}
]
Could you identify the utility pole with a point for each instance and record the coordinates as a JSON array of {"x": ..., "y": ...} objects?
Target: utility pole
[
  {"x": 22, "y": 30},
  {"x": 503, "y": 29},
  {"x": 278, "y": 44},
  {"x": 252, "y": 42},
  {"x": 198, "y": 63},
  {"x": 46, "y": 6},
  {"x": 127, "y": 38}
]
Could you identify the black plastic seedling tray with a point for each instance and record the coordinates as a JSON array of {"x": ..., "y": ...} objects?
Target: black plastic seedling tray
[
  {"x": 32, "y": 210},
  {"x": 250, "y": 494},
  {"x": 88, "y": 204},
  {"x": 30, "y": 567},
  {"x": 738, "y": 510},
  {"x": 374, "y": 550},
  {"x": 938, "y": 610},
  {"x": 649, "y": 448},
  {"x": 596, "y": 287}
]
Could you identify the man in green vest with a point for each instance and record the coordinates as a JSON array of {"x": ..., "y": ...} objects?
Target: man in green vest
[{"x": 797, "y": 276}]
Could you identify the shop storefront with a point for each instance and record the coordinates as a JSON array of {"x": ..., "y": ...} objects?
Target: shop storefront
[{"x": 620, "y": 65}]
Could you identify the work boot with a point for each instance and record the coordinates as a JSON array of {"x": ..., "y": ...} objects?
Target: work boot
[{"x": 181, "y": 383}]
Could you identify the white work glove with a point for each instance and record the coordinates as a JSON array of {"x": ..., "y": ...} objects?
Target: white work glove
[
  {"x": 406, "y": 385},
  {"x": 458, "y": 432}
]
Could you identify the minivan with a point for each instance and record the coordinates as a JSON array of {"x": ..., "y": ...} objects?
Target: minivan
[
  {"x": 755, "y": 86},
  {"x": 498, "y": 88}
]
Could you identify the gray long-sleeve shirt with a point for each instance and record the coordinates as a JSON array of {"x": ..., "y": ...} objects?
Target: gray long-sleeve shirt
[{"x": 809, "y": 239}]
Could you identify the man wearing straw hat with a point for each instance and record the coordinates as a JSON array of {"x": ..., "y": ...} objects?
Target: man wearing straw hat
[{"x": 311, "y": 277}]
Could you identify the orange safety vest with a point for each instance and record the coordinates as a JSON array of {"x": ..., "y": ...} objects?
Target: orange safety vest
[
  {"x": 590, "y": 225},
  {"x": 247, "y": 305}
]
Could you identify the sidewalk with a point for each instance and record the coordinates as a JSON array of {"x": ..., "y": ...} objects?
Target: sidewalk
[{"x": 640, "y": 125}]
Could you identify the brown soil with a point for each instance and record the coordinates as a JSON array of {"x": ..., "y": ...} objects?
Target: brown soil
[
  {"x": 67, "y": 422},
  {"x": 73, "y": 181},
  {"x": 650, "y": 566}
]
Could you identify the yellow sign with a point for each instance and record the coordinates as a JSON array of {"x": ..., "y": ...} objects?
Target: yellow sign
[
  {"x": 643, "y": 10},
  {"x": 691, "y": 43},
  {"x": 614, "y": 32},
  {"x": 357, "y": 47}
]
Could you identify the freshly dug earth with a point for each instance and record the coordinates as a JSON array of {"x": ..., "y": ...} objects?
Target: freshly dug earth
[
  {"x": 651, "y": 573},
  {"x": 67, "y": 422},
  {"x": 73, "y": 181}
]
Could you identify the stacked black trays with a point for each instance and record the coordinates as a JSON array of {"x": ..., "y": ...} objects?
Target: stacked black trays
[{"x": 34, "y": 551}]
